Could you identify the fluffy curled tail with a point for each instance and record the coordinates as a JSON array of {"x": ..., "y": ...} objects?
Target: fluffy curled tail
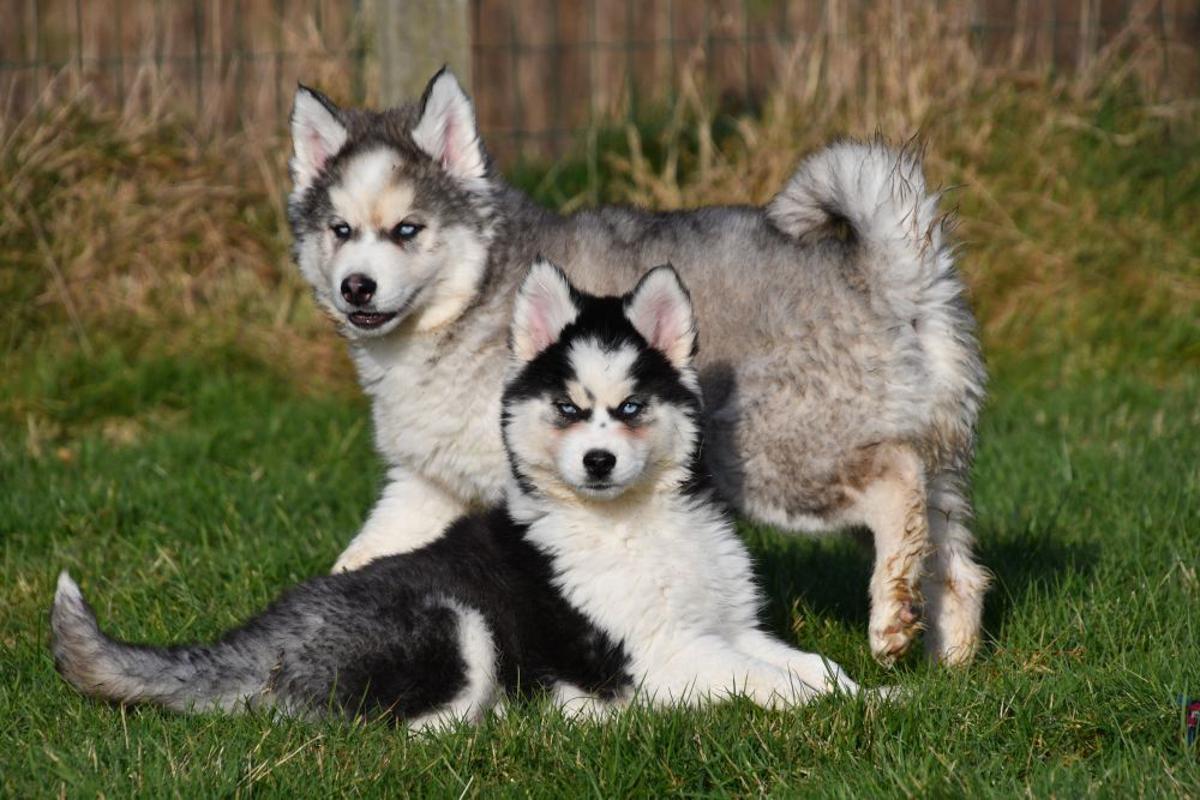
[
  {"x": 874, "y": 198},
  {"x": 223, "y": 676}
]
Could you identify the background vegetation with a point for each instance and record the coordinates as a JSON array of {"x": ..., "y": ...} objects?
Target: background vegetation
[{"x": 180, "y": 427}]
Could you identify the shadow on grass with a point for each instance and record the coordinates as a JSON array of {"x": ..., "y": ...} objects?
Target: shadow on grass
[
  {"x": 829, "y": 577},
  {"x": 1029, "y": 562}
]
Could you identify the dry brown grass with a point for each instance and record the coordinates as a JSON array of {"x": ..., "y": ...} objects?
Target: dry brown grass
[
  {"x": 124, "y": 230},
  {"x": 1076, "y": 194}
]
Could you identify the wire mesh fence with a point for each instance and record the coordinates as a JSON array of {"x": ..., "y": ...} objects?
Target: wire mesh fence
[
  {"x": 229, "y": 65},
  {"x": 543, "y": 71}
]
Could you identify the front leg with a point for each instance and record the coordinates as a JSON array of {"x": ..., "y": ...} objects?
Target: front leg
[
  {"x": 811, "y": 669},
  {"x": 713, "y": 668},
  {"x": 412, "y": 512}
]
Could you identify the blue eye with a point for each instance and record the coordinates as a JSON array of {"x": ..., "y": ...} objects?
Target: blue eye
[
  {"x": 406, "y": 231},
  {"x": 341, "y": 230},
  {"x": 629, "y": 409},
  {"x": 567, "y": 410}
]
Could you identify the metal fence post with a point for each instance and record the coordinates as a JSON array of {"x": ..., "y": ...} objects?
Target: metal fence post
[{"x": 413, "y": 39}]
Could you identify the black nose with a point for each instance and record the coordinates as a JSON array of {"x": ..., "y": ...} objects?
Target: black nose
[
  {"x": 358, "y": 289},
  {"x": 599, "y": 463}
]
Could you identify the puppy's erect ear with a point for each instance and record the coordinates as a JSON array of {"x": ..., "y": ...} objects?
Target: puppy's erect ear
[
  {"x": 543, "y": 308},
  {"x": 446, "y": 130},
  {"x": 661, "y": 310},
  {"x": 317, "y": 135}
]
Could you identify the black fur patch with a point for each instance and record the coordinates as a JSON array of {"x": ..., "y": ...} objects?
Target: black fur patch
[{"x": 388, "y": 639}]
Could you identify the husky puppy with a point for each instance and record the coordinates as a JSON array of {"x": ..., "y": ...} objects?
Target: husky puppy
[
  {"x": 610, "y": 571},
  {"x": 841, "y": 373}
]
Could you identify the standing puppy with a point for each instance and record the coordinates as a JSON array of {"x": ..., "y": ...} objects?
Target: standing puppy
[
  {"x": 610, "y": 572},
  {"x": 840, "y": 369}
]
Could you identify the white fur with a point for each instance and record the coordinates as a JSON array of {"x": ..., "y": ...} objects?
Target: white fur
[
  {"x": 670, "y": 579},
  {"x": 542, "y": 309},
  {"x": 413, "y": 425},
  {"x": 317, "y": 135},
  {"x": 579, "y": 705},
  {"x": 447, "y": 131},
  {"x": 412, "y": 512}
]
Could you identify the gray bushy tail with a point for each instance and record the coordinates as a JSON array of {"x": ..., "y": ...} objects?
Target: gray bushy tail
[
  {"x": 222, "y": 676},
  {"x": 874, "y": 197},
  {"x": 877, "y": 194}
]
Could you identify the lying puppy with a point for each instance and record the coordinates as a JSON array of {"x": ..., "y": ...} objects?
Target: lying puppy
[{"x": 609, "y": 571}]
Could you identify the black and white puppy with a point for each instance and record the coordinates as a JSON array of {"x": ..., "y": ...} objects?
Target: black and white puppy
[{"x": 609, "y": 573}]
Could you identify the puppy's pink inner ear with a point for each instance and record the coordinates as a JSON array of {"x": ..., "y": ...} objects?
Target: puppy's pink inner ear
[
  {"x": 540, "y": 335},
  {"x": 317, "y": 153},
  {"x": 668, "y": 323},
  {"x": 663, "y": 315},
  {"x": 544, "y": 308}
]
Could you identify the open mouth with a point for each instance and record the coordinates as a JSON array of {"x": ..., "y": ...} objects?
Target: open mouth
[{"x": 368, "y": 320}]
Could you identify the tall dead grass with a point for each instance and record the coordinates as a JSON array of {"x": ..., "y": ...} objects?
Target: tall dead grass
[
  {"x": 126, "y": 230},
  {"x": 1076, "y": 194},
  {"x": 1077, "y": 197}
]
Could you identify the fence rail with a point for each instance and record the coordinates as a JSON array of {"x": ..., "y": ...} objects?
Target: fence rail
[{"x": 542, "y": 70}]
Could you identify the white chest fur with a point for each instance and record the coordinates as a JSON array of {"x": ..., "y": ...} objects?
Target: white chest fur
[
  {"x": 426, "y": 422},
  {"x": 667, "y": 570}
]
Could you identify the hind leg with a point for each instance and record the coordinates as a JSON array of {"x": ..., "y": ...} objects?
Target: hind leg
[
  {"x": 480, "y": 689},
  {"x": 891, "y": 502},
  {"x": 955, "y": 585}
]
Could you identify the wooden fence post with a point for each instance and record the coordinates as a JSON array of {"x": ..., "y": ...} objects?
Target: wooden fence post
[{"x": 413, "y": 39}]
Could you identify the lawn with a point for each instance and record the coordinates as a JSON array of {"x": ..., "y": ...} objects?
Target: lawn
[
  {"x": 220, "y": 486},
  {"x": 178, "y": 428}
]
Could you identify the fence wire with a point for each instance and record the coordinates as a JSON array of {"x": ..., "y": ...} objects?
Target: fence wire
[{"x": 544, "y": 72}]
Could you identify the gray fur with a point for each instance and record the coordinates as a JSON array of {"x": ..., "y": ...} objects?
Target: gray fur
[{"x": 298, "y": 656}]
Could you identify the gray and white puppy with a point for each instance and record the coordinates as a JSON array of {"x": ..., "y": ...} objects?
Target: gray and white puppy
[
  {"x": 840, "y": 370},
  {"x": 610, "y": 573}
]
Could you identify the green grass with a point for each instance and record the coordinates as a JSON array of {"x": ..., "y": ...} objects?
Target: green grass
[
  {"x": 185, "y": 437},
  {"x": 210, "y": 485}
]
